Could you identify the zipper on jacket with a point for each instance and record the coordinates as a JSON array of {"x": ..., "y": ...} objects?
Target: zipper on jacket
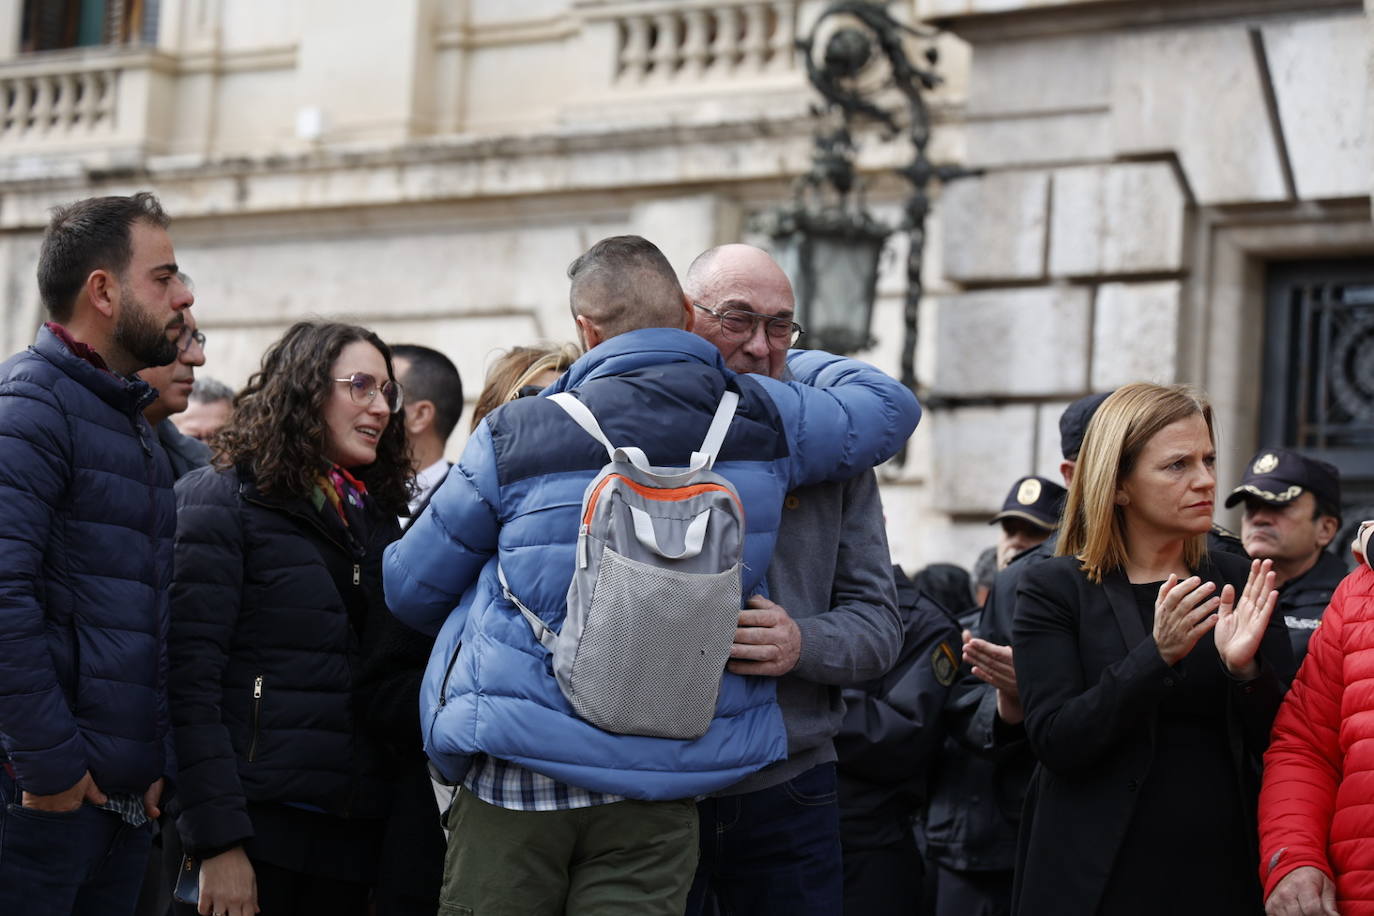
[
  {"x": 448, "y": 672},
  {"x": 257, "y": 717},
  {"x": 357, "y": 574},
  {"x": 139, "y": 427},
  {"x": 443, "y": 696}
]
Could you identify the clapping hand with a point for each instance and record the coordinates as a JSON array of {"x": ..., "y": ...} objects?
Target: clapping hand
[
  {"x": 993, "y": 664},
  {"x": 1183, "y": 612},
  {"x": 1240, "y": 624}
]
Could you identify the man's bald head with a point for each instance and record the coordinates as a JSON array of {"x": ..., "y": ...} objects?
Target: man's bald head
[
  {"x": 726, "y": 264},
  {"x": 624, "y": 283},
  {"x": 742, "y": 278}
]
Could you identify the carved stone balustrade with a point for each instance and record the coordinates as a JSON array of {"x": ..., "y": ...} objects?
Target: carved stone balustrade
[
  {"x": 657, "y": 58},
  {"x": 103, "y": 106}
]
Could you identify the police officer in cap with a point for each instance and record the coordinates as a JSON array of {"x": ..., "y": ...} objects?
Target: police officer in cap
[
  {"x": 1292, "y": 512},
  {"x": 1029, "y": 515}
]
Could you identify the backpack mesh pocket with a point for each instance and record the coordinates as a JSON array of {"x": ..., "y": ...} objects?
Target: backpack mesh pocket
[{"x": 653, "y": 648}]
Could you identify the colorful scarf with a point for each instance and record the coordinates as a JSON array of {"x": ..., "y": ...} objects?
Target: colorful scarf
[{"x": 341, "y": 490}]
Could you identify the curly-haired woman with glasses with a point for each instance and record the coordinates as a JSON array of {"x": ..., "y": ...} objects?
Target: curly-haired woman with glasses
[{"x": 287, "y": 760}]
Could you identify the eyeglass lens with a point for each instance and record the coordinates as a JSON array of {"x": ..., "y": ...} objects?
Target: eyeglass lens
[
  {"x": 363, "y": 387},
  {"x": 742, "y": 323},
  {"x": 189, "y": 337}
]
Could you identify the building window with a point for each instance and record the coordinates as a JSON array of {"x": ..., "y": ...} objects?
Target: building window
[
  {"x": 1318, "y": 382},
  {"x": 50, "y": 25}
]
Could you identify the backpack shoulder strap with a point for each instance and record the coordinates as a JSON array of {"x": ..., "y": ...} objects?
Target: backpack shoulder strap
[
  {"x": 720, "y": 424},
  {"x": 542, "y": 632},
  {"x": 583, "y": 418}
]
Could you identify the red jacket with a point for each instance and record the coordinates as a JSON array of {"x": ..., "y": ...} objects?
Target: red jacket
[{"x": 1317, "y": 800}]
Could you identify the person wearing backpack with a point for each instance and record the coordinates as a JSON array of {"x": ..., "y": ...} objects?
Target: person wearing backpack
[{"x": 556, "y": 814}]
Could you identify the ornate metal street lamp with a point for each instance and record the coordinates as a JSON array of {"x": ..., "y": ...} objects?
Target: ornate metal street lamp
[{"x": 825, "y": 238}]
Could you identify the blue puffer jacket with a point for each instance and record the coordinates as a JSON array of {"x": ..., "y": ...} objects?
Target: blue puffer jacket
[
  {"x": 517, "y": 494},
  {"x": 86, "y": 520}
]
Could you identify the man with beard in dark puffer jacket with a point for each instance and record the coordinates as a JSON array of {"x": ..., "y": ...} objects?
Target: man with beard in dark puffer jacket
[{"x": 88, "y": 516}]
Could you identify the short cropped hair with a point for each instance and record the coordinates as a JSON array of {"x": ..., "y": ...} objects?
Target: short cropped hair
[
  {"x": 1094, "y": 525},
  {"x": 1323, "y": 507},
  {"x": 89, "y": 235},
  {"x": 432, "y": 376},
  {"x": 985, "y": 568},
  {"x": 624, "y": 283},
  {"x": 206, "y": 390}
]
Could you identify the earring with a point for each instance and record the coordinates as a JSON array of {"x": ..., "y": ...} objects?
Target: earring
[{"x": 1122, "y": 499}]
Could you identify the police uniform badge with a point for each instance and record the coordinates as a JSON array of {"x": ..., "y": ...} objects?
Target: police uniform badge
[
  {"x": 944, "y": 664},
  {"x": 1265, "y": 463},
  {"x": 1029, "y": 492}
]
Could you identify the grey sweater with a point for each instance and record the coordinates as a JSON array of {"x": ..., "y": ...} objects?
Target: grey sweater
[{"x": 832, "y": 571}]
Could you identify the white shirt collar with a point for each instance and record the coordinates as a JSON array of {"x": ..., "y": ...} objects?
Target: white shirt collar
[{"x": 427, "y": 479}]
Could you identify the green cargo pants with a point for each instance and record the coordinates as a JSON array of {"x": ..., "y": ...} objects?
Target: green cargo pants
[{"x": 634, "y": 858}]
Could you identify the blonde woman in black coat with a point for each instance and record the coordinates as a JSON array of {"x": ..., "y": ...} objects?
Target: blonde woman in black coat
[{"x": 1150, "y": 671}]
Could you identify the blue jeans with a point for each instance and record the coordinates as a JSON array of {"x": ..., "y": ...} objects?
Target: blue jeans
[
  {"x": 86, "y": 862},
  {"x": 776, "y": 850}
]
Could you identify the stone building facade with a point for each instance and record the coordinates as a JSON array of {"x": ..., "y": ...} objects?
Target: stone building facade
[{"x": 1150, "y": 172}]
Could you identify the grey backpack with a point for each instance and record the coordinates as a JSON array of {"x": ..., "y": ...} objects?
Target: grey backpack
[{"x": 655, "y": 594}]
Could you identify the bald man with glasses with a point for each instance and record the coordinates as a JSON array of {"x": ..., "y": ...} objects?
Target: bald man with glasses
[{"x": 771, "y": 843}]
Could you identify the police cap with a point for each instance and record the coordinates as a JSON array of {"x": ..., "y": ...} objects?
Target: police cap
[
  {"x": 1279, "y": 475},
  {"x": 1035, "y": 500},
  {"x": 1073, "y": 423}
]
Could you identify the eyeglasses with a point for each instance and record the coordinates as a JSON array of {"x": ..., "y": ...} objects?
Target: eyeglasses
[
  {"x": 363, "y": 388},
  {"x": 738, "y": 324},
  {"x": 190, "y": 336}
]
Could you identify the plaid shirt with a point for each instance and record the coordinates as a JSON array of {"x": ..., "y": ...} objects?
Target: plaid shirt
[
  {"x": 508, "y": 785},
  {"x": 129, "y": 808}
]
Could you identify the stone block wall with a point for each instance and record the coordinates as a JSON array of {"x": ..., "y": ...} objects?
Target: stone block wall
[{"x": 1112, "y": 139}]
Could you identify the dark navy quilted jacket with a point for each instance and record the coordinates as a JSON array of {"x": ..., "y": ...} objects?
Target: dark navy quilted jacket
[
  {"x": 86, "y": 524},
  {"x": 267, "y": 602}
]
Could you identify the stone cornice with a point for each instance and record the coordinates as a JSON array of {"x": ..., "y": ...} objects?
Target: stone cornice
[
  {"x": 571, "y": 161},
  {"x": 1114, "y": 15},
  {"x": 135, "y": 57},
  {"x": 244, "y": 60},
  {"x": 516, "y": 32}
]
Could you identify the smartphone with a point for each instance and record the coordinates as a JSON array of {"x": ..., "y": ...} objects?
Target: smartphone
[{"x": 187, "y": 887}]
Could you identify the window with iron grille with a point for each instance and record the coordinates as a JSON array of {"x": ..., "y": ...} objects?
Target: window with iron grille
[{"x": 1318, "y": 382}]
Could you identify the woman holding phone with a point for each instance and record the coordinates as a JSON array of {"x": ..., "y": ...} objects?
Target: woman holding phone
[{"x": 285, "y": 772}]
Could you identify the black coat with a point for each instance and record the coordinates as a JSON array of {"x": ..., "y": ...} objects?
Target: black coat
[
  {"x": 1303, "y": 600},
  {"x": 891, "y": 728},
  {"x": 1091, "y": 678},
  {"x": 979, "y": 784},
  {"x": 268, "y": 605}
]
